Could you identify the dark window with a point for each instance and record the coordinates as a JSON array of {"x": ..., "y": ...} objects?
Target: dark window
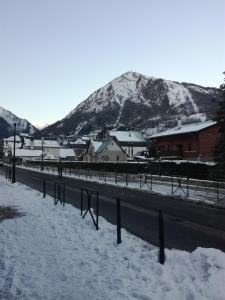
[{"x": 189, "y": 147}]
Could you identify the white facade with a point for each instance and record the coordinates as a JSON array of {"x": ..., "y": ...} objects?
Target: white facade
[
  {"x": 105, "y": 150},
  {"x": 50, "y": 148}
]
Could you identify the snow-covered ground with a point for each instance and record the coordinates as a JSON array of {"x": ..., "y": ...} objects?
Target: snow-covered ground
[{"x": 50, "y": 252}]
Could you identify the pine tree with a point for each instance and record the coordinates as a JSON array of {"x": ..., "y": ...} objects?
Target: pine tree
[{"x": 219, "y": 151}]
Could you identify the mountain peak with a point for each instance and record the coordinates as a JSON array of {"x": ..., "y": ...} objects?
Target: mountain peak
[{"x": 137, "y": 101}]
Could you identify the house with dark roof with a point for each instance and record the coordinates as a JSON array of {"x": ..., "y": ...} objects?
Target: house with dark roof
[
  {"x": 192, "y": 141},
  {"x": 105, "y": 150}
]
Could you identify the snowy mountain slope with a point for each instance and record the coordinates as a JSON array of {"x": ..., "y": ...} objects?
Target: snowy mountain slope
[
  {"x": 140, "y": 102},
  {"x": 6, "y": 121}
]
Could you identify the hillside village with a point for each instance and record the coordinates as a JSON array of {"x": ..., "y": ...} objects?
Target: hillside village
[{"x": 185, "y": 141}]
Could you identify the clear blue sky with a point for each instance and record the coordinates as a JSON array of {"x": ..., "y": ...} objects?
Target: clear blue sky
[{"x": 53, "y": 53}]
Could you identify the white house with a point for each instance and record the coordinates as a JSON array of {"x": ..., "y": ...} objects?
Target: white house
[
  {"x": 105, "y": 150},
  {"x": 67, "y": 154},
  {"x": 132, "y": 142}
]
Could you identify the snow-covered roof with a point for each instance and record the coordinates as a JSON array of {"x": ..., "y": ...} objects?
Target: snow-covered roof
[
  {"x": 127, "y": 136},
  {"x": 80, "y": 142},
  {"x": 49, "y": 156},
  {"x": 195, "y": 127},
  {"x": 9, "y": 142},
  {"x": 11, "y": 139},
  {"x": 28, "y": 153},
  {"x": 96, "y": 144},
  {"x": 66, "y": 152},
  {"x": 46, "y": 143},
  {"x": 104, "y": 143}
]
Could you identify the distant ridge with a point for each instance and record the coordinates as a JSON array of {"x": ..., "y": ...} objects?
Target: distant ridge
[{"x": 7, "y": 119}]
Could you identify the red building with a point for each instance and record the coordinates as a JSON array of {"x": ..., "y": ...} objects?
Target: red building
[{"x": 193, "y": 141}]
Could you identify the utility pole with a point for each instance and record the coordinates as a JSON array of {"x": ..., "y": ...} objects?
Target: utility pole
[
  {"x": 42, "y": 155},
  {"x": 14, "y": 154}
]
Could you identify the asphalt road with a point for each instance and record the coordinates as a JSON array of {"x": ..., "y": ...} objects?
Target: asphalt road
[{"x": 187, "y": 225}]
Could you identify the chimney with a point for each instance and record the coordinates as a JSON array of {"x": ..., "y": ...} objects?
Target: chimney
[
  {"x": 31, "y": 144},
  {"x": 179, "y": 122}
]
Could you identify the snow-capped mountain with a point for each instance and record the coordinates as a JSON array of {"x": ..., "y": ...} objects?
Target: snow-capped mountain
[
  {"x": 140, "y": 102},
  {"x": 40, "y": 125},
  {"x": 7, "y": 119}
]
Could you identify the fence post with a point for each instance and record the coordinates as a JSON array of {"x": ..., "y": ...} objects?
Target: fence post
[
  {"x": 217, "y": 189},
  {"x": 97, "y": 203},
  {"x": 44, "y": 188},
  {"x": 126, "y": 179},
  {"x": 64, "y": 194},
  {"x": 172, "y": 183},
  {"x": 159, "y": 166},
  {"x": 116, "y": 177},
  {"x": 81, "y": 201},
  {"x": 54, "y": 191},
  {"x": 187, "y": 186},
  {"x": 151, "y": 179},
  {"x": 161, "y": 238},
  {"x": 118, "y": 221}
]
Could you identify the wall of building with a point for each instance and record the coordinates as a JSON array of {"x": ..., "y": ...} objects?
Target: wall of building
[
  {"x": 112, "y": 156},
  {"x": 196, "y": 146},
  {"x": 189, "y": 142},
  {"x": 207, "y": 141},
  {"x": 53, "y": 151}
]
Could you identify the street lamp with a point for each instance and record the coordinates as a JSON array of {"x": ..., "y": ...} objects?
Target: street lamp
[
  {"x": 14, "y": 154},
  {"x": 42, "y": 155}
]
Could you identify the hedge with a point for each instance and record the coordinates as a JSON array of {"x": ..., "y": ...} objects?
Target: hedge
[{"x": 185, "y": 169}]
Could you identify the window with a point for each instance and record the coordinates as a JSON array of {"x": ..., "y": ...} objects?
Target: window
[{"x": 189, "y": 147}]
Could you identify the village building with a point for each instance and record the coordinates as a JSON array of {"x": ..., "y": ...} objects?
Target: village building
[
  {"x": 27, "y": 154},
  {"x": 80, "y": 148},
  {"x": 105, "y": 150},
  {"x": 132, "y": 142},
  {"x": 192, "y": 141},
  {"x": 67, "y": 154},
  {"x": 49, "y": 147}
]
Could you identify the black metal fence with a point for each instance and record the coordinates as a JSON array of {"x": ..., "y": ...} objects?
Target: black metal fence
[{"x": 195, "y": 170}]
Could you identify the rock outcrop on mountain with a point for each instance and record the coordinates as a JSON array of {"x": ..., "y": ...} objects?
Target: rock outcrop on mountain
[{"x": 139, "y": 102}]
